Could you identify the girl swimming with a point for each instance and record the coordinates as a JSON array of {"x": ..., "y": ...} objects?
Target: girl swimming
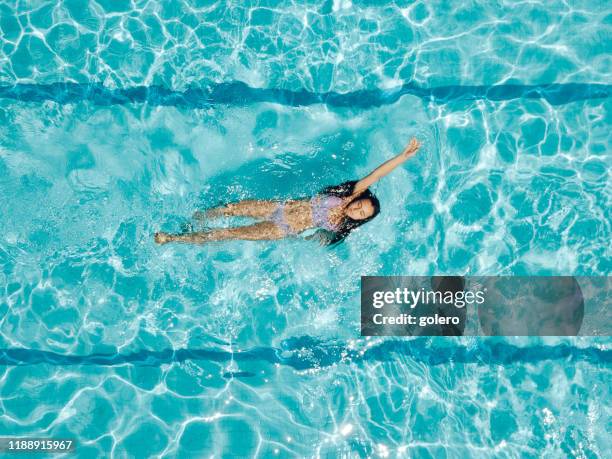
[{"x": 335, "y": 211}]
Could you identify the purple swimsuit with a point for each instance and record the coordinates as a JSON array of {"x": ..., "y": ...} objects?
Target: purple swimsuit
[{"x": 321, "y": 206}]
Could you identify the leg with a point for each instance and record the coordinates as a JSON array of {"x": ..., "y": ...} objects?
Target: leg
[
  {"x": 247, "y": 208},
  {"x": 257, "y": 232}
]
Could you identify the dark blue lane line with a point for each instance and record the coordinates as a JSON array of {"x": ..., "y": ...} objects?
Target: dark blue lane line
[
  {"x": 307, "y": 353},
  {"x": 239, "y": 93}
]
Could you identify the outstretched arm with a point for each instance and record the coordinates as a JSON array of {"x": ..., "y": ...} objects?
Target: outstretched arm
[{"x": 386, "y": 167}]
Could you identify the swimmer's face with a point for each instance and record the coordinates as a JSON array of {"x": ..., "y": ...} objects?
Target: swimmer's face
[{"x": 360, "y": 209}]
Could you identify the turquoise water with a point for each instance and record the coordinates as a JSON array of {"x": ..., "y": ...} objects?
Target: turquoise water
[{"x": 121, "y": 118}]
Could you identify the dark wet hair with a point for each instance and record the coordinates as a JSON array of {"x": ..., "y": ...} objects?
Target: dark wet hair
[{"x": 348, "y": 224}]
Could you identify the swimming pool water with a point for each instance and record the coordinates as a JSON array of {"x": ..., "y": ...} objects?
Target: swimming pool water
[{"x": 118, "y": 119}]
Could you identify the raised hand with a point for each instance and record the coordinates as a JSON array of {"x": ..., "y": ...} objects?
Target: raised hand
[
  {"x": 411, "y": 149},
  {"x": 385, "y": 168}
]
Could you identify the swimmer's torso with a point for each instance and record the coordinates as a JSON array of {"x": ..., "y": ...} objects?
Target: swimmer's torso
[{"x": 299, "y": 214}]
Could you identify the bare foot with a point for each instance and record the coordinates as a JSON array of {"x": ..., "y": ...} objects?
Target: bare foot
[{"x": 163, "y": 238}]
